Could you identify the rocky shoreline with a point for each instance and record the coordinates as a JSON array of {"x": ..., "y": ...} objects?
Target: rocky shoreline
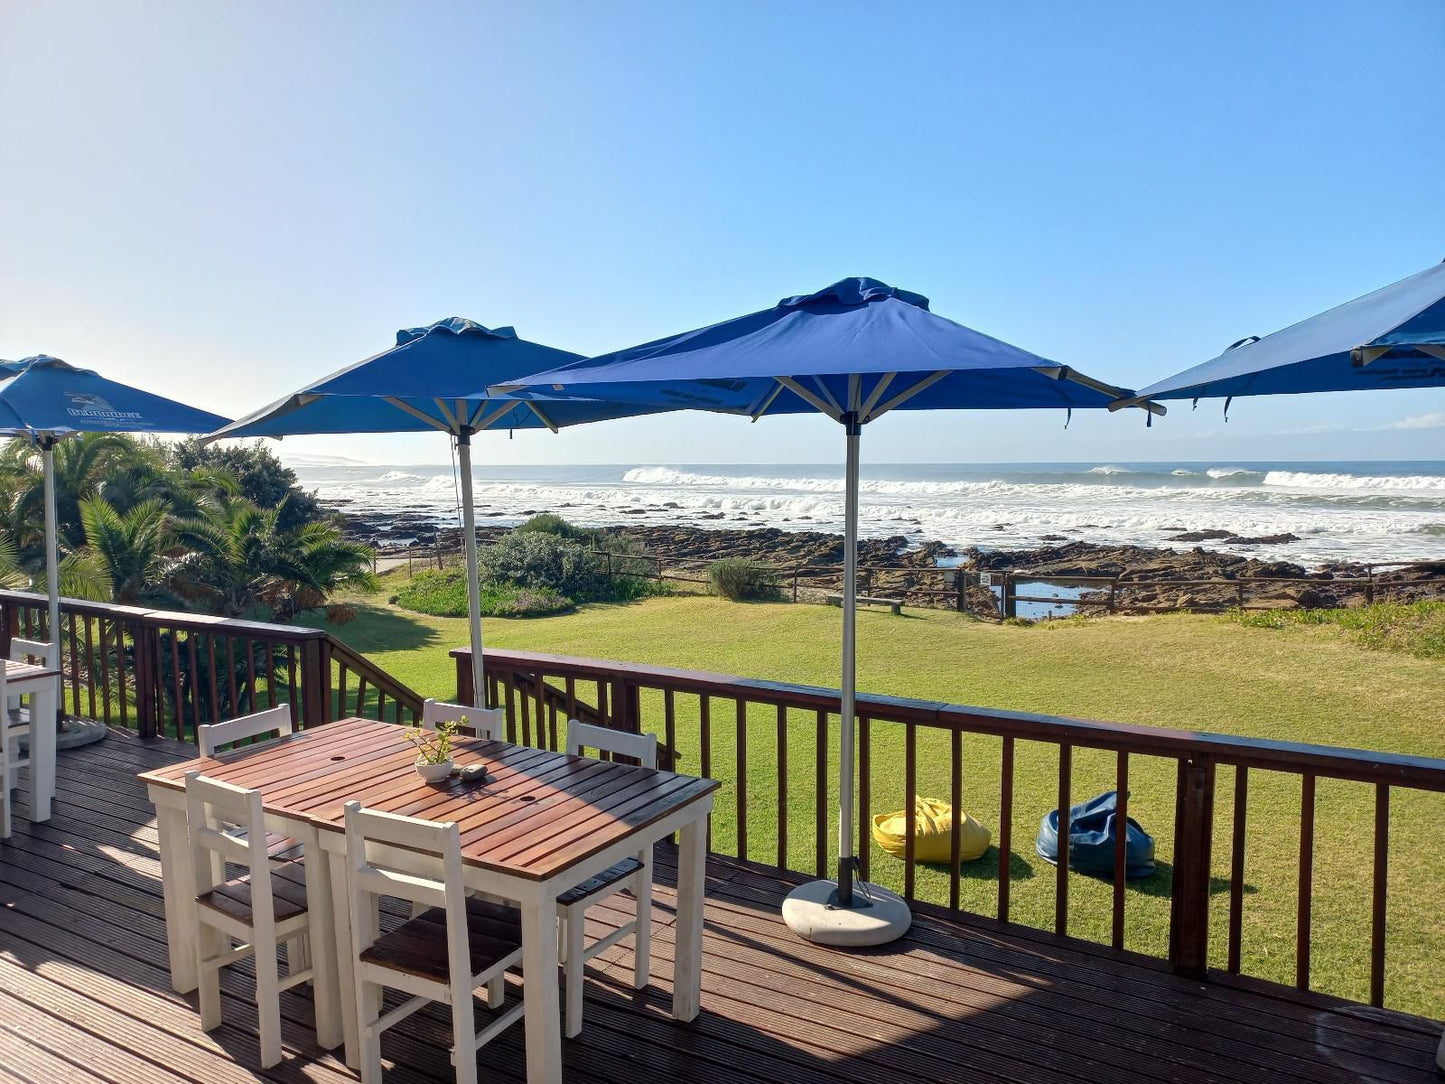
[{"x": 903, "y": 566}]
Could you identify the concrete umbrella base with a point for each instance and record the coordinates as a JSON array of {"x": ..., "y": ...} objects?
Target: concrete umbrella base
[{"x": 876, "y": 917}]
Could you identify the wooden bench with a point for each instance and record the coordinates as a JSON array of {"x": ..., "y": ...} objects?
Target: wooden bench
[{"x": 894, "y": 604}]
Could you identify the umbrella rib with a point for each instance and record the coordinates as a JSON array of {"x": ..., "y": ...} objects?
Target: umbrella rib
[
  {"x": 452, "y": 420},
  {"x": 792, "y": 385},
  {"x": 878, "y": 390},
  {"x": 501, "y": 412},
  {"x": 420, "y": 415},
  {"x": 828, "y": 395},
  {"x": 548, "y": 422},
  {"x": 767, "y": 401},
  {"x": 908, "y": 393}
]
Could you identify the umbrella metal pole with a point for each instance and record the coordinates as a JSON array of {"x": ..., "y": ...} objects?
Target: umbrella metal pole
[
  {"x": 52, "y": 572},
  {"x": 469, "y": 546},
  {"x": 849, "y": 683}
]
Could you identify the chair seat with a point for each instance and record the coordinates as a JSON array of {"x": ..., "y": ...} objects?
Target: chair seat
[
  {"x": 419, "y": 946},
  {"x": 604, "y": 880},
  {"x": 288, "y": 892}
]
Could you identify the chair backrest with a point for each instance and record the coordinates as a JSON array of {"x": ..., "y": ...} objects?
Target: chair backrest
[
  {"x": 430, "y": 874},
  {"x": 213, "y": 807},
  {"x": 581, "y": 736},
  {"x": 213, "y": 737},
  {"x": 483, "y": 723},
  {"x": 37, "y": 651}
]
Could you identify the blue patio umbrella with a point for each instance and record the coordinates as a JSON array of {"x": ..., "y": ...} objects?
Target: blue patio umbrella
[
  {"x": 435, "y": 378},
  {"x": 853, "y": 352},
  {"x": 46, "y": 400},
  {"x": 1391, "y": 338}
]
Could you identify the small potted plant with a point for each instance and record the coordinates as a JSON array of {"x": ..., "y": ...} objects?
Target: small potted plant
[{"x": 433, "y": 750}]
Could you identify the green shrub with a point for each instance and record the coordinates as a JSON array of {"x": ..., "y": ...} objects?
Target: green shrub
[
  {"x": 1413, "y": 628},
  {"x": 742, "y": 579},
  {"x": 539, "y": 560},
  {"x": 444, "y": 594},
  {"x": 553, "y": 524}
]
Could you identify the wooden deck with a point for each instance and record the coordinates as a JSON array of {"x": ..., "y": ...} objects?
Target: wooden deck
[{"x": 85, "y": 992}]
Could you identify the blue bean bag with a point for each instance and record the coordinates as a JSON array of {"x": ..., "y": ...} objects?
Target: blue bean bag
[{"x": 1092, "y": 825}]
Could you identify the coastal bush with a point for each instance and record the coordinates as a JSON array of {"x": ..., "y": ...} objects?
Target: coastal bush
[
  {"x": 742, "y": 579},
  {"x": 444, "y": 594},
  {"x": 1412, "y": 628},
  {"x": 539, "y": 560},
  {"x": 553, "y": 524}
]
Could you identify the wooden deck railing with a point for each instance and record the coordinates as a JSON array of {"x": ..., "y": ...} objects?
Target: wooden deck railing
[
  {"x": 776, "y": 739},
  {"x": 165, "y": 673}
]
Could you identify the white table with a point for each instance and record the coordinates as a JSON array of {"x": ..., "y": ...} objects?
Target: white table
[
  {"x": 41, "y": 685},
  {"x": 309, "y": 777}
]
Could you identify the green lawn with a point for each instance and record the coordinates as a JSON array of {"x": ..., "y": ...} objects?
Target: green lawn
[{"x": 1300, "y": 682}]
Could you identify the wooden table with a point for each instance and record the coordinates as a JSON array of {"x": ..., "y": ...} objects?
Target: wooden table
[
  {"x": 41, "y": 685},
  {"x": 542, "y": 824}
]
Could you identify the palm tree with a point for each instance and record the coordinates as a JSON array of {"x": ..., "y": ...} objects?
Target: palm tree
[
  {"x": 132, "y": 548},
  {"x": 82, "y": 464},
  {"x": 240, "y": 557}
]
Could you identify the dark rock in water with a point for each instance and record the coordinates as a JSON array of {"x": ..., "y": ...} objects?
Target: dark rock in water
[
  {"x": 1053, "y": 538},
  {"x": 671, "y": 504},
  {"x": 1202, "y": 536},
  {"x": 1264, "y": 539}
]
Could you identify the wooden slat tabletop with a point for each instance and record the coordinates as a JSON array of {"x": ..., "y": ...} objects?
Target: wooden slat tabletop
[
  {"x": 24, "y": 671},
  {"x": 538, "y": 813}
]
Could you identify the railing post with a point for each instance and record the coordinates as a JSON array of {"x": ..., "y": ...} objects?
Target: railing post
[
  {"x": 1010, "y": 596},
  {"x": 1193, "y": 837},
  {"x": 626, "y": 707},
  {"x": 464, "y": 677},
  {"x": 147, "y": 714},
  {"x": 316, "y": 681}
]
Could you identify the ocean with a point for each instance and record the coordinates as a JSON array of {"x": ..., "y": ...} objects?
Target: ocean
[{"x": 1357, "y": 511}]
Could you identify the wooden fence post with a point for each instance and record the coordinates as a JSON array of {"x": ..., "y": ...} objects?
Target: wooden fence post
[
  {"x": 1193, "y": 839},
  {"x": 147, "y": 709},
  {"x": 316, "y": 681},
  {"x": 464, "y": 676},
  {"x": 1010, "y": 596}
]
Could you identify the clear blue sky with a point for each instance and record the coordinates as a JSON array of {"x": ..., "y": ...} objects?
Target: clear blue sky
[{"x": 224, "y": 201}]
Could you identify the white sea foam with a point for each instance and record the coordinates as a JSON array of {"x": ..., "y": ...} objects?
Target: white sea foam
[
  {"x": 1308, "y": 480},
  {"x": 1388, "y": 515}
]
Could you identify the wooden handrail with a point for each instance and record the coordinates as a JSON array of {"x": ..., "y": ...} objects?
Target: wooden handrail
[
  {"x": 168, "y": 672},
  {"x": 520, "y": 678}
]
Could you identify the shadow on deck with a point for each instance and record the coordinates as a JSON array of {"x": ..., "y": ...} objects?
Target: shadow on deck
[{"x": 85, "y": 991}]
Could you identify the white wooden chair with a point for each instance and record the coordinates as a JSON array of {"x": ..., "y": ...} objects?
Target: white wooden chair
[
  {"x": 35, "y": 651},
  {"x": 455, "y": 946},
  {"x": 218, "y": 737},
  {"x": 7, "y": 785},
  {"x": 633, "y": 874},
  {"x": 486, "y": 723},
  {"x": 262, "y": 909}
]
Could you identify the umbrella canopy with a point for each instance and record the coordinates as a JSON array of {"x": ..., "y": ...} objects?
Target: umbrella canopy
[
  {"x": 435, "y": 378},
  {"x": 47, "y": 400},
  {"x": 852, "y": 351},
  {"x": 859, "y": 346},
  {"x": 1392, "y": 338}
]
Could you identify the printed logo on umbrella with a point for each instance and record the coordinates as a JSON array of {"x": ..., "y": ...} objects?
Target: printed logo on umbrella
[{"x": 95, "y": 407}]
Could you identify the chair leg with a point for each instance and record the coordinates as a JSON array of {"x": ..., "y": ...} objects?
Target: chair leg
[
  {"x": 210, "y": 943},
  {"x": 268, "y": 1000},
  {"x": 464, "y": 1039},
  {"x": 642, "y": 934},
  {"x": 575, "y": 970},
  {"x": 368, "y": 1008},
  {"x": 496, "y": 991}
]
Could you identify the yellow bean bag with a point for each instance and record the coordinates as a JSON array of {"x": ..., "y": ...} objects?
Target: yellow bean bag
[{"x": 933, "y": 828}]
